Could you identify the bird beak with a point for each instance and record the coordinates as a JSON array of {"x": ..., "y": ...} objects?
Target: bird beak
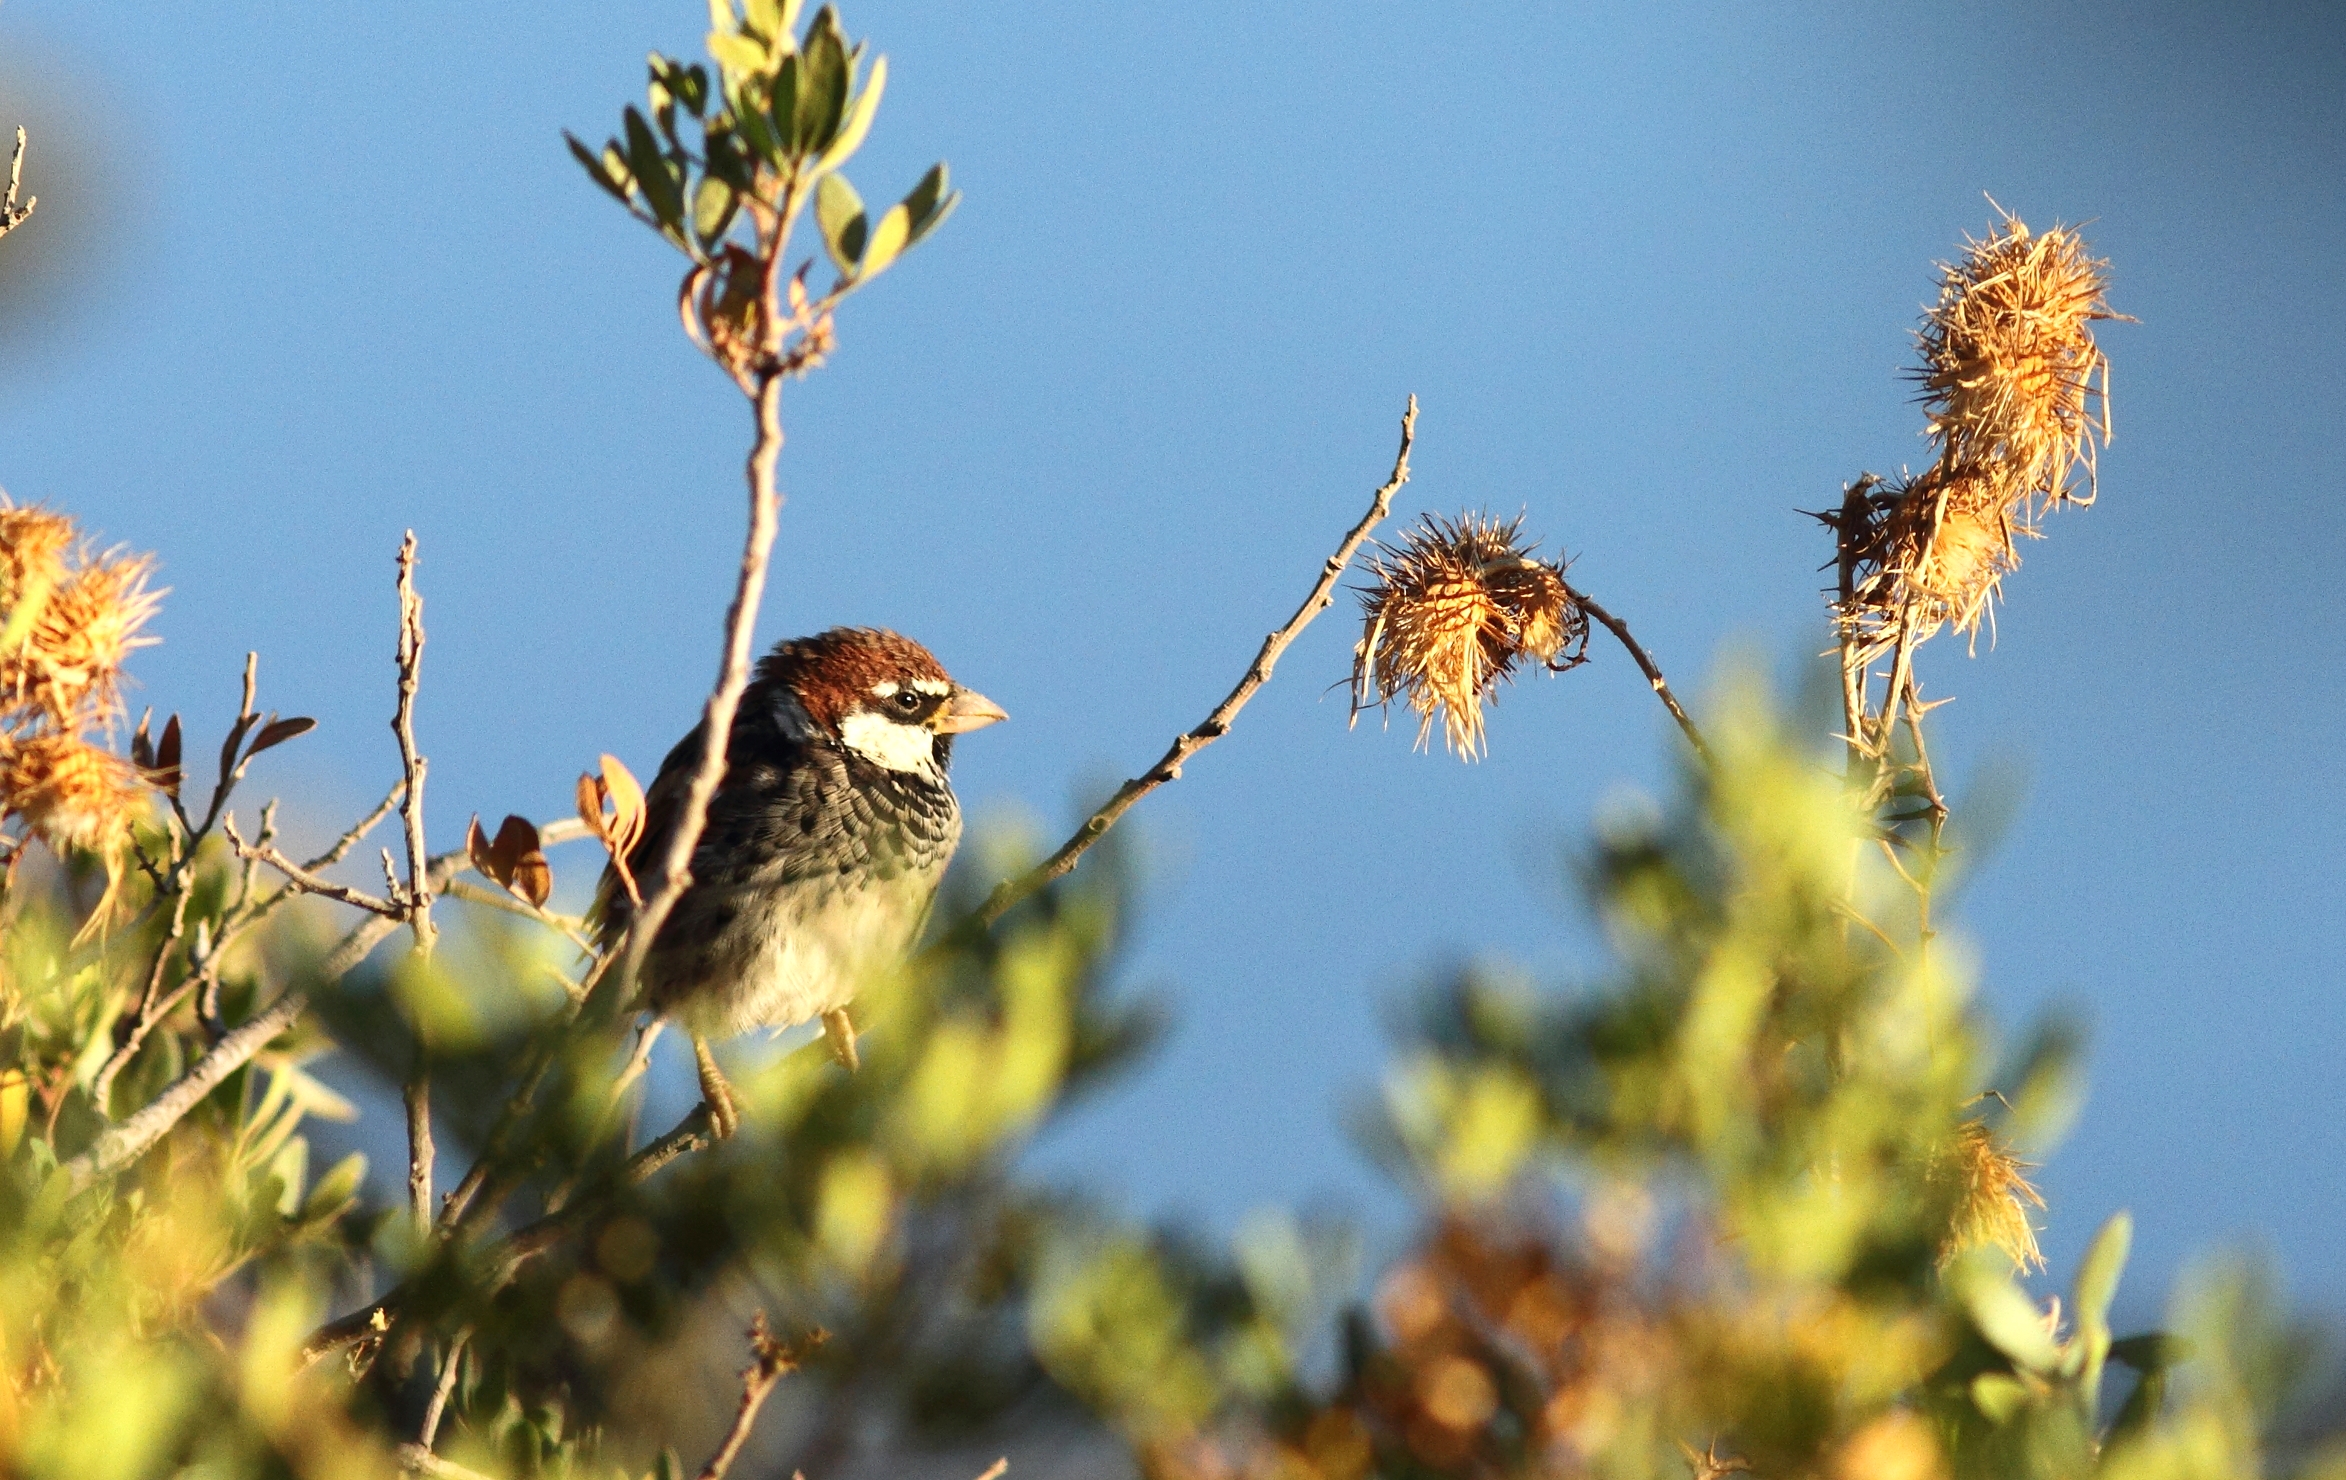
[{"x": 970, "y": 710}]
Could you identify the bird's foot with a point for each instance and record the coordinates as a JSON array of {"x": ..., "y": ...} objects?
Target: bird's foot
[
  {"x": 839, "y": 1032},
  {"x": 724, "y": 1111}
]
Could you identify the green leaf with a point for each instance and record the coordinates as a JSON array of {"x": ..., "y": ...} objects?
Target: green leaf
[
  {"x": 713, "y": 205},
  {"x": 615, "y": 165},
  {"x": 858, "y": 120},
  {"x": 2150, "y": 1351},
  {"x": 334, "y": 1190},
  {"x": 2010, "y": 1323},
  {"x": 930, "y": 202},
  {"x": 822, "y": 84},
  {"x": 673, "y": 82},
  {"x": 736, "y": 54},
  {"x": 1999, "y": 1395},
  {"x": 725, "y": 159},
  {"x": 662, "y": 192},
  {"x": 2097, "y": 1276},
  {"x": 595, "y": 168},
  {"x": 783, "y": 107},
  {"x": 757, "y": 131},
  {"x": 771, "y": 19},
  {"x": 2097, "y": 1284},
  {"x": 889, "y": 239},
  {"x": 839, "y": 215},
  {"x": 2141, "y": 1406}
]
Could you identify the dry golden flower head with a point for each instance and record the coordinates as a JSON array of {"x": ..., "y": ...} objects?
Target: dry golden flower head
[
  {"x": 1450, "y": 612},
  {"x": 69, "y": 665},
  {"x": 1995, "y": 1198},
  {"x": 2010, "y": 364},
  {"x": 71, "y": 794},
  {"x": 33, "y": 542},
  {"x": 1942, "y": 551}
]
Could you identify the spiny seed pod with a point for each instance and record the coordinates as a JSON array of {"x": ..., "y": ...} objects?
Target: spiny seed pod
[
  {"x": 33, "y": 542},
  {"x": 2017, "y": 396},
  {"x": 70, "y": 663},
  {"x": 1449, "y": 613},
  {"x": 1945, "y": 548},
  {"x": 1995, "y": 1198},
  {"x": 2009, "y": 362},
  {"x": 70, "y": 793}
]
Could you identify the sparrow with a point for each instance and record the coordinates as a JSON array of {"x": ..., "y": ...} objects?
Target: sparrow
[{"x": 825, "y": 842}]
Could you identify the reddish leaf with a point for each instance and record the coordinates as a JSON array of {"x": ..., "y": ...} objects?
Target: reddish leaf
[
  {"x": 228, "y": 747},
  {"x": 627, "y": 806},
  {"x": 278, "y": 731},
  {"x": 523, "y": 861},
  {"x": 590, "y": 805}
]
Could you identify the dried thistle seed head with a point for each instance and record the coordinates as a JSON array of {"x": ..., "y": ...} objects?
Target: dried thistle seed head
[
  {"x": 1449, "y": 613},
  {"x": 70, "y": 664},
  {"x": 2010, "y": 362},
  {"x": 1995, "y": 1198},
  {"x": 1941, "y": 552},
  {"x": 33, "y": 542},
  {"x": 72, "y": 794}
]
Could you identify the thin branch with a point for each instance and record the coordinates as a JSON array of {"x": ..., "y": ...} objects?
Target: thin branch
[
  {"x": 131, "y": 1139},
  {"x": 1010, "y": 892},
  {"x": 412, "y": 763},
  {"x": 416, "y": 1094},
  {"x": 414, "y": 1459},
  {"x": 769, "y": 1361},
  {"x": 498, "y": 899},
  {"x": 430, "y": 1428},
  {"x": 303, "y": 881},
  {"x": 359, "y": 829},
  {"x": 505, "y": 1259},
  {"x": 13, "y": 215},
  {"x": 1645, "y": 664},
  {"x": 997, "y": 1469},
  {"x": 765, "y": 506}
]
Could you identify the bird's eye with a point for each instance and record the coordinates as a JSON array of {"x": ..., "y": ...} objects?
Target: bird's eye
[{"x": 907, "y": 700}]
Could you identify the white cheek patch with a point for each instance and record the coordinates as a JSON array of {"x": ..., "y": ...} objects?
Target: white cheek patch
[{"x": 885, "y": 742}]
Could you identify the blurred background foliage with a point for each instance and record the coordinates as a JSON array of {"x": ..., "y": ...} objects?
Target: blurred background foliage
[
  {"x": 1753, "y": 1201},
  {"x": 1703, "y": 1215}
]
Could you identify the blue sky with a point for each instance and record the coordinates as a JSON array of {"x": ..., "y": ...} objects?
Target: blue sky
[{"x": 299, "y": 284}]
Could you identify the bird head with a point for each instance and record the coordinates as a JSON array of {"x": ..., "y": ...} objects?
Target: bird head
[{"x": 876, "y": 693}]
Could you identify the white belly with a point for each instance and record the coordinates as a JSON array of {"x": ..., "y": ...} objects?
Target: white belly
[{"x": 815, "y": 954}]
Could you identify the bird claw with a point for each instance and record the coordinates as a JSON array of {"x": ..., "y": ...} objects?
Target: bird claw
[
  {"x": 839, "y": 1032},
  {"x": 716, "y": 1093}
]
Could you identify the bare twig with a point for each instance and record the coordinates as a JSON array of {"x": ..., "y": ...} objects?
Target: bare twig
[
  {"x": 412, "y": 764},
  {"x": 415, "y": 1459},
  {"x": 417, "y": 1093},
  {"x": 997, "y": 1469},
  {"x": 13, "y": 215},
  {"x": 526, "y": 1243},
  {"x": 1645, "y": 664},
  {"x": 498, "y": 899},
  {"x": 305, "y": 882},
  {"x": 1007, "y": 894},
  {"x": 433, "y": 1411},
  {"x": 770, "y": 1360},
  {"x": 765, "y": 507},
  {"x": 131, "y": 1139}
]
